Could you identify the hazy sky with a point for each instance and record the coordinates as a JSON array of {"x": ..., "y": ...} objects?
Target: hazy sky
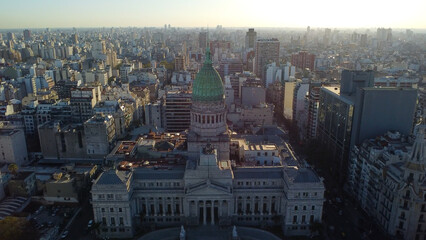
[{"x": 201, "y": 13}]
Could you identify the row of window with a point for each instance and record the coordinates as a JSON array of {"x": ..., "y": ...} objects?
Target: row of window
[
  {"x": 305, "y": 194},
  {"x": 110, "y": 196},
  {"x": 257, "y": 183},
  {"x": 112, "y": 221},
  {"x": 111, "y": 210},
  {"x": 160, "y": 184},
  {"x": 303, "y": 208},
  {"x": 311, "y": 219}
]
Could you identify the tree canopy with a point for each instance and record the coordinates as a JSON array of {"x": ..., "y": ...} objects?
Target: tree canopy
[{"x": 16, "y": 228}]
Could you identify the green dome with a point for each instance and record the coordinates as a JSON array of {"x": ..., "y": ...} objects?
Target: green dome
[{"x": 207, "y": 86}]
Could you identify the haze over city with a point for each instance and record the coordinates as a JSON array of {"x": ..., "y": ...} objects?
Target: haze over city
[
  {"x": 212, "y": 120},
  {"x": 200, "y": 13}
]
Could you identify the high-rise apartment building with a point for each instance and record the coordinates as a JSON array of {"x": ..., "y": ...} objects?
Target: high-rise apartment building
[
  {"x": 267, "y": 51},
  {"x": 74, "y": 38},
  {"x": 202, "y": 40},
  {"x": 27, "y": 35},
  {"x": 82, "y": 102},
  {"x": 251, "y": 37},
  {"x": 180, "y": 63},
  {"x": 303, "y": 60}
]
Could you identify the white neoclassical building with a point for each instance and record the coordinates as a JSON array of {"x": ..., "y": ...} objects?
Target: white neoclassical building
[{"x": 207, "y": 189}]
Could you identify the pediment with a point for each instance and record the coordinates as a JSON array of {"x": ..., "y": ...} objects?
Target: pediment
[{"x": 208, "y": 188}]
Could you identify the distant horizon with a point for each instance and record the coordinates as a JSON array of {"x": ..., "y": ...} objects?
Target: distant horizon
[
  {"x": 24, "y": 14},
  {"x": 210, "y": 28}
]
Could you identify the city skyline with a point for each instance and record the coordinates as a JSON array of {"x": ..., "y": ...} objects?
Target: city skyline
[{"x": 270, "y": 13}]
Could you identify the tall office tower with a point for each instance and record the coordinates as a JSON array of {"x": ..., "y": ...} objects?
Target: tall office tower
[
  {"x": 202, "y": 40},
  {"x": 10, "y": 36},
  {"x": 327, "y": 37},
  {"x": 267, "y": 51},
  {"x": 208, "y": 113},
  {"x": 363, "y": 40},
  {"x": 27, "y": 35},
  {"x": 251, "y": 37},
  {"x": 303, "y": 60},
  {"x": 74, "y": 38},
  {"x": 177, "y": 107},
  {"x": 363, "y": 112}
]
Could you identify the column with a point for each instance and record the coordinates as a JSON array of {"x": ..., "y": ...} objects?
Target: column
[
  {"x": 155, "y": 206},
  {"x": 212, "y": 212},
  {"x": 147, "y": 207},
  {"x": 204, "y": 213},
  {"x": 181, "y": 207},
  {"x": 261, "y": 205},
  {"x": 164, "y": 206},
  {"x": 252, "y": 206},
  {"x": 219, "y": 210},
  {"x": 172, "y": 203},
  {"x": 270, "y": 205},
  {"x": 244, "y": 206}
]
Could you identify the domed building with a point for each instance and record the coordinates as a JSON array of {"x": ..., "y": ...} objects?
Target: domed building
[{"x": 208, "y": 113}]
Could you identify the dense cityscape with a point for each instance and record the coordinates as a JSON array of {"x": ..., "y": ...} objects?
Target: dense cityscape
[{"x": 212, "y": 133}]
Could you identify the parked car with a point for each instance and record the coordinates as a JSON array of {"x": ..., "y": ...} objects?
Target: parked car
[
  {"x": 64, "y": 234},
  {"x": 90, "y": 223}
]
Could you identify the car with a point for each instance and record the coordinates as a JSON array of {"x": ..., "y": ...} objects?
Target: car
[
  {"x": 64, "y": 235},
  {"x": 90, "y": 223}
]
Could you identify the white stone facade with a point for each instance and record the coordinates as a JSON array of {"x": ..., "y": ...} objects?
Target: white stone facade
[{"x": 207, "y": 191}]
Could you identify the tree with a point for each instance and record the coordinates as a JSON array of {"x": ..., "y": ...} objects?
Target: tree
[
  {"x": 16, "y": 228},
  {"x": 13, "y": 168}
]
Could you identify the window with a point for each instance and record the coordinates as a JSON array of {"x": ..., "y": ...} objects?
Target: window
[
  {"x": 101, "y": 196},
  {"x": 102, "y": 209},
  {"x": 295, "y": 219},
  {"x": 121, "y": 221},
  {"x": 118, "y": 196},
  {"x": 303, "y": 218},
  {"x": 313, "y": 207},
  {"x": 112, "y": 221},
  {"x": 110, "y": 196},
  {"x": 120, "y": 210},
  {"x": 104, "y": 220},
  {"x": 295, "y": 208},
  {"x": 304, "y": 207},
  {"x": 111, "y": 210}
]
